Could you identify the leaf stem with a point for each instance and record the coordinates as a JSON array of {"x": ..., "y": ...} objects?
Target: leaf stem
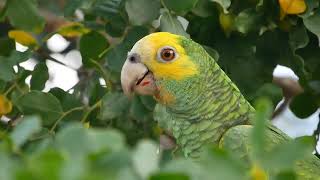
[
  {"x": 63, "y": 116},
  {"x": 90, "y": 109},
  {"x": 103, "y": 72},
  {"x": 9, "y": 89}
]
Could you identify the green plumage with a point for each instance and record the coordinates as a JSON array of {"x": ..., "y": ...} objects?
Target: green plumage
[{"x": 209, "y": 108}]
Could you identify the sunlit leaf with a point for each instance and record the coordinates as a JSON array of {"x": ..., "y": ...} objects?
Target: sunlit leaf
[
  {"x": 28, "y": 126},
  {"x": 23, "y": 38},
  {"x": 73, "y": 29},
  {"x": 5, "y": 105}
]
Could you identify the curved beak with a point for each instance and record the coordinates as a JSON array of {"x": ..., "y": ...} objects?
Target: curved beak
[{"x": 136, "y": 77}]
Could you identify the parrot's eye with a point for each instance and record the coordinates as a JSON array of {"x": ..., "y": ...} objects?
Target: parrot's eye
[{"x": 167, "y": 54}]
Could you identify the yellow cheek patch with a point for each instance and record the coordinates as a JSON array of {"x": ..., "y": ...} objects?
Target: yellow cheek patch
[{"x": 178, "y": 69}]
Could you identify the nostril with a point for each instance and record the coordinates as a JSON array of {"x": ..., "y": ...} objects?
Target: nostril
[{"x": 133, "y": 58}]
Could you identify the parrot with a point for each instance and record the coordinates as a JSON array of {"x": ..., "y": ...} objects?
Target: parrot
[{"x": 196, "y": 101}]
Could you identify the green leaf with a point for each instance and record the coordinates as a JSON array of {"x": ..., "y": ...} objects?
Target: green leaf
[
  {"x": 284, "y": 156},
  {"x": 77, "y": 140},
  {"x": 170, "y": 23},
  {"x": 247, "y": 20},
  {"x": 102, "y": 140},
  {"x": 71, "y": 6},
  {"x": 287, "y": 175},
  {"x": 107, "y": 9},
  {"x": 6, "y": 46},
  {"x": 203, "y": 8},
  {"x": 142, "y": 11},
  {"x": 47, "y": 164},
  {"x": 148, "y": 102},
  {"x": 117, "y": 55},
  {"x": 180, "y": 6},
  {"x": 298, "y": 38},
  {"x": 28, "y": 17},
  {"x": 113, "y": 105},
  {"x": 7, "y": 63},
  {"x": 73, "y": 139},
  {"x": 137, "y": 110},
  {"x": 222, "y": 165},
  {"x": 225, "y": 4},
  {"x": 212, "y": 52},
  {"x": 145, "y": 158},
  {"x": 92, "y": 45},
  {"x": 44, "y": 104},
  {"x": 169, "y": 176},
  {"x": 116, "y": 26},
  {"x": 304, "y": 105},
  {"x": 263, "y": 108},
  {"x": 311, "y": 5},
  {"x": 312, "y": 23},
  {"x": 24, "y": 130},
  {"x": 6, "y": 70},
  {"x": 40, "y": 76}
]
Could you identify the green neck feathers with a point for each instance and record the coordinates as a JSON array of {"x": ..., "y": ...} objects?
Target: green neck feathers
[{"x": 206, "y": 106}]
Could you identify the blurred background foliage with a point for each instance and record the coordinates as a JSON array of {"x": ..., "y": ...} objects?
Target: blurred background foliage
[{"x": 55, "y": 133}]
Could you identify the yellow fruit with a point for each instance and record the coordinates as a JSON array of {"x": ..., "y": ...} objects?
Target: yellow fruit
[
  {"x": 292, "y": 6},
  {"x": 5, "y": 105},
  {"x": 226, "y": 22}
]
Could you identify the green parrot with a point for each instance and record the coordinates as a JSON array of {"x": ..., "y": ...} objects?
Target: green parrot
[{"x": 197, "y": 102}]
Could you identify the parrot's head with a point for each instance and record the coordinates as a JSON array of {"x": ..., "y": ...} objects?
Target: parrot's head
[{"x": 167, "y": 66}]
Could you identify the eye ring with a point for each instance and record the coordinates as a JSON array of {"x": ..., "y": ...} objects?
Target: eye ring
[{"x": 167, "y": 54}]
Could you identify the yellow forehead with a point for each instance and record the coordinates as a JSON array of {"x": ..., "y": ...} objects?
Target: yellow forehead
[{"x": 148, "y": 48}]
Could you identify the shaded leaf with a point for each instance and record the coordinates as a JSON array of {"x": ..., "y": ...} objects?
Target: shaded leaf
[
  {"x": 28, "y": 18},
  {"x": 117, "y": 55},
  {"x": 113, "y": 105},
  {"x": 107, "y": 9},
  {"x": 6, "y": 46},
  {"x": 170, "y": 23},
  {"x": 40, "y": 75},
  {"x": 180, "y": 5},
  {"x": 169, "y": 176},
  {"x": 303, "y": 105},
  {"x": 137, "y": 16},
  {"x": 92, "y": 45},
  {"x": 116, "y": 26},
  {"x": 312, "y": 23},
  {"x": 225, "y": 4},
  {"x": 44, "y": 104}
]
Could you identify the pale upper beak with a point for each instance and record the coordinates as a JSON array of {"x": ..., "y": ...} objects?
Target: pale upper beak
[{"x": 136, "y": 77}]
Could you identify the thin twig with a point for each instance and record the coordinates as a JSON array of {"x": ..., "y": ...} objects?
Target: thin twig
[
  {"x": 103, "y": 72},
  {"x": 90, "y": 109},
  {"x": 63, "y": 116}
]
